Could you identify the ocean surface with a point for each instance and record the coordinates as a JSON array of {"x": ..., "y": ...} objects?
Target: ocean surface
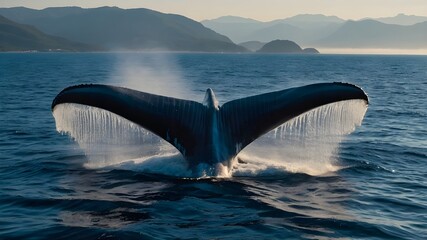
[{"x": 372, "y": 186}]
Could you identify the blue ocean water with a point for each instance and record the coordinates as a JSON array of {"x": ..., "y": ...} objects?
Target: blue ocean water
[{"x": 48, "y": 192}]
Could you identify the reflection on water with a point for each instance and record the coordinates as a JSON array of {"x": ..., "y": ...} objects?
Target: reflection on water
[
  {"x": 126, "y": 199},
  {"x": 114, "y": 219},
  {"x": 303, "y": 196}
]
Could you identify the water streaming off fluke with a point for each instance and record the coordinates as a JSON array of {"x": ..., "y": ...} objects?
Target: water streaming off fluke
[
  {"x": 107, "y": 138},
  {"x": 308, "y": 143}
]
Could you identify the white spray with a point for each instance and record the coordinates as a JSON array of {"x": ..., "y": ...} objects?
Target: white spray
[
  {"x": 308, "y": 143},
  {"x": 107, "y": 138},
  {"x": 156, "y": 73}
]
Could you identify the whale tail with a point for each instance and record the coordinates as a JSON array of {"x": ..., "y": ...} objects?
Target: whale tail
[{"x": 208, "y": 133}]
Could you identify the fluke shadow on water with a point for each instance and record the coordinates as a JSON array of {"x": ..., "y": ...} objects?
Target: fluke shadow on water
[{"x": 115, "y": 124}]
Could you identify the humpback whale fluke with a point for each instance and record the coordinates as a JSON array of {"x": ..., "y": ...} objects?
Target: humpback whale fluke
[{"x": 207, "y": 132}]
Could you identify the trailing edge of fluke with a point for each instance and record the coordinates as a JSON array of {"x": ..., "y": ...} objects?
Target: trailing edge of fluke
[{"x": 207, "y": 132}]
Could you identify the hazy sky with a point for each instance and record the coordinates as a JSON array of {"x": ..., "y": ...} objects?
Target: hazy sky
[{"x": 257, "y": 9}]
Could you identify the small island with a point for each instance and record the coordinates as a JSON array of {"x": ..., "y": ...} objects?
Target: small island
[{"x": 285, "y": 46}]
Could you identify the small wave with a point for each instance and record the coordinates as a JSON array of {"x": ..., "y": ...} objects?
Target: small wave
[
  {"x": 416, "y": 154},
  {"x": 362, "y": 166}
]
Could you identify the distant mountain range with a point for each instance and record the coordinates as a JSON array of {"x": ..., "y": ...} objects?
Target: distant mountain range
[
  {"x": 401, "y": 19},
  {"x": 112, "y": 28},
  {"x": 374, "y": 34},
  {"x": 401, "y": 31},
  {"x": 124, "y": 29},
  {"x": 304, "y": 29},
  {"x": 20, "y": 37}
]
